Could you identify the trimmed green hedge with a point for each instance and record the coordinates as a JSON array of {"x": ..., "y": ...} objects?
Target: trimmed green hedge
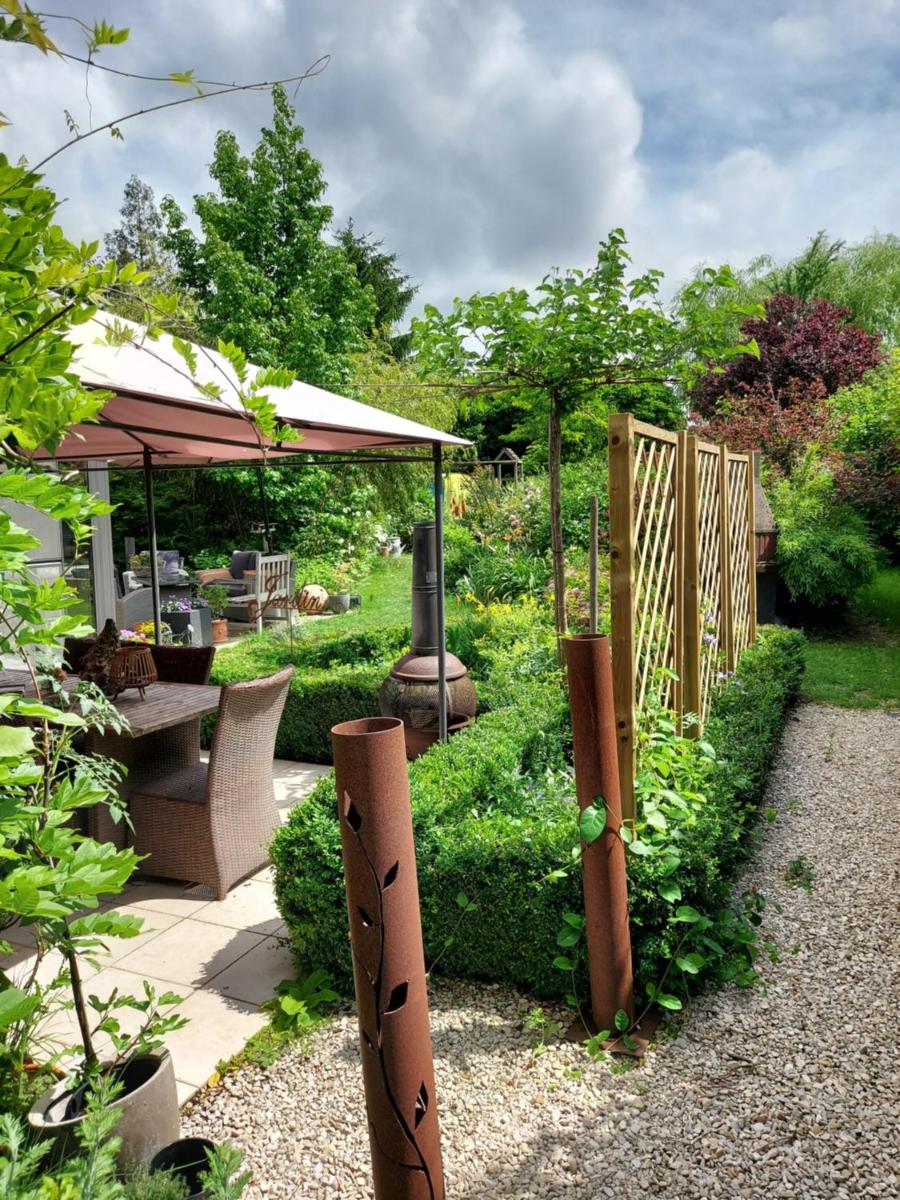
[
  {"x": 493, "y": 817},
  {"x": 336, "y": 678}
]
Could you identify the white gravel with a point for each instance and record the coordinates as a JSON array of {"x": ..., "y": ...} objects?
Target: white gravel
[{"x": 788, "y": 1090}]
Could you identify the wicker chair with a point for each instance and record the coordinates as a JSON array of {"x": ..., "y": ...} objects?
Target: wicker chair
[
  {"x": 183, "y": 664},
  {"x": 213, "y": 824}
]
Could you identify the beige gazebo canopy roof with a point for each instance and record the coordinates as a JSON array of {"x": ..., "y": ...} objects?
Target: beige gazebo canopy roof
[{"x": 157, "y": 406}]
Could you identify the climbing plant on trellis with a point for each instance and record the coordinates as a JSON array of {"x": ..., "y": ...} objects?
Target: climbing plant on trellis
[{"x": 682, "y": 574}]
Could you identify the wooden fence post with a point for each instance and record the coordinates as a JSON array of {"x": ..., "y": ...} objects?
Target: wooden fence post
[
  {"x": 751, "y": 548},
  {"x": 621, "y": 588},
  {"x": 725, "y": 602},
  {"x": 678, "y": 655},
  {"x": 690, "y": 591}
]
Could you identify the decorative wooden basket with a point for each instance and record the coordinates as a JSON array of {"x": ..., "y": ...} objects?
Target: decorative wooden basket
[{"x": 132, "y": 667}]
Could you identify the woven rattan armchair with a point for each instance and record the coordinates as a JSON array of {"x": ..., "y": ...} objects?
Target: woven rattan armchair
[{"x": 213, "y": 824}]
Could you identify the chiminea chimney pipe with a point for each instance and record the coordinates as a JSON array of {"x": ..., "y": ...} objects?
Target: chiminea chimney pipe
[{"x": 424, "y": 589}]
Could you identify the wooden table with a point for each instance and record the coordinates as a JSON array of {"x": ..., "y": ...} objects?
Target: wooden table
[{"x": 163, "y": 734}]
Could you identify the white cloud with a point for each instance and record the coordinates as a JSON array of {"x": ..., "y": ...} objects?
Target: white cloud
[
  {"x": 489, "y": 140},
  {"x": 808, "y": 37}
]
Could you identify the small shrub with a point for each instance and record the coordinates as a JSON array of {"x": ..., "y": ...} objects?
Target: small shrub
[
  {"x": 140, "y": 1184},
  {"x": 825, "y": 550}
]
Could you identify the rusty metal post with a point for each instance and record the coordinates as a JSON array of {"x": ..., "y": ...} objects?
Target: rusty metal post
[
  {"x": 388, "y": 959},
  {"x": 593, "y": 607},
  {"x": 608, "y": 934}
]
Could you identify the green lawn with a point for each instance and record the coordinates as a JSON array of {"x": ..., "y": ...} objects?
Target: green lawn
[
  {"x": 386, "y": 600},
  {"x": 859, "y": 666}
]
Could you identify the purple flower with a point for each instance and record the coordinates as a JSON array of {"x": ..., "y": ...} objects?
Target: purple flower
[{"x": 710, "y": 639}]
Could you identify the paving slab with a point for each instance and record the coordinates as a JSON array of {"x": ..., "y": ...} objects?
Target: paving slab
[
  {"x": 191, "y": 953},
  {"x": 255, "y": 976}
]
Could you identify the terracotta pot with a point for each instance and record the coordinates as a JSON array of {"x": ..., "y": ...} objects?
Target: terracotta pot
[
  {"x": 219, "y": 630},
  {"x": 149, "y": 1111}
]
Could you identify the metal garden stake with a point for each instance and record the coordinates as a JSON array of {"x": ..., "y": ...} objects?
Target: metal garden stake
[
  {"x": 388, "y": 959},
  {"x": 603, "y": 861}
]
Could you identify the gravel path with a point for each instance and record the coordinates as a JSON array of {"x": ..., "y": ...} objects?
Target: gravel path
[{"x": 788, "y": 1090}]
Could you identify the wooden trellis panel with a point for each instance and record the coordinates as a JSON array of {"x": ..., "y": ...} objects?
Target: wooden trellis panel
[
  {"x": 682, "y": 574},
  {"x": 709, "y": 554},
  {"x": 742, "y": 552}
]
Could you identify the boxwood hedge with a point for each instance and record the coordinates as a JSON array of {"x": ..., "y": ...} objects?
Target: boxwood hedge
[
  {"x": 493, "y": 817},
  {"x": 336, "y": 677}
]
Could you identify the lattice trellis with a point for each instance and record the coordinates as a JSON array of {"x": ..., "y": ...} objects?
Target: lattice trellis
[
  {"x": 682, "y": 573},
  {"x": 655, "y": 563},
  {"x": 709, "y": 558},
  {"x": 741, "y": 539}
]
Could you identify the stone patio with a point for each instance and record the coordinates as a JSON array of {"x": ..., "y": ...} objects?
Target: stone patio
[{"x": 224, "y": 958}]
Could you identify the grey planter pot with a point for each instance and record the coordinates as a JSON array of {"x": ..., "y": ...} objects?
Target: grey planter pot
[
  {"x": 149, "y": 1111},
  {"x": 200, "y": 621},
  {"x": 338, "y": 602}
]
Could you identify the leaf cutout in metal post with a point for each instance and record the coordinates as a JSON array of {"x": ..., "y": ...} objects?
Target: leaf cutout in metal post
[
  {"x": 398, "y": 997},
  {"x": 391, "y": 875},
  {"x": 364, "y": 917},
  {"x": 370, "y": 1045},
  {"x": 421, "y": 1104},
  {"x": 351, "y": 814}
]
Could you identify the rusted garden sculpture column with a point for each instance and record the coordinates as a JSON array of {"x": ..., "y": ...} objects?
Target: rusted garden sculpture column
[
  {"x": 388, "y": 959},
  {"x": 597, "y": 781}
]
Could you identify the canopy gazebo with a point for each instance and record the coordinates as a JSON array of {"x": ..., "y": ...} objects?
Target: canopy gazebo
[{"x": 159, "y": 416}]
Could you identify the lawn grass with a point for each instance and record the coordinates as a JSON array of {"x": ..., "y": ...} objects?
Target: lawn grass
[
  {"x": 386, "y": 600},
  {"x": 858, "y": 666}
]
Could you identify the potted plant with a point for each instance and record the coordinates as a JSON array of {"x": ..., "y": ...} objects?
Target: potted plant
[
  {"x": 92, "y": 1169},
  {"x": 189, "y": 619},
  {"x": 339, "y": 599},
  {"x": 218, "y": 599},
  {"x": 53, "y": 879}
]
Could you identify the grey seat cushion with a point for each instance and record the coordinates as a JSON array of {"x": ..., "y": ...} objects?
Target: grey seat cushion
[
  {"x": 185, "y": 783},
  {"x": 241, "y": 561}
]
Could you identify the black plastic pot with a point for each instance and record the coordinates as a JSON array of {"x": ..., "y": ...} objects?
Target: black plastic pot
[
  {"x": 149, "y": 1110},
  {"x": 187, "y": 1159}
]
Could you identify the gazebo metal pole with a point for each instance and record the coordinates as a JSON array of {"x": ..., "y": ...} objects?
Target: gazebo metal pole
[
  {"x": 151, "y": 534},
  {"x": 260, "y": 483},
  {"x": 441, "y": 616}
]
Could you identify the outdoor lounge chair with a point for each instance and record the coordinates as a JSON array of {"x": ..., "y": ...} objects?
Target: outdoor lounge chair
[
  {"x": 233, "y": 578},
  {"x": 212, "y": 824}
]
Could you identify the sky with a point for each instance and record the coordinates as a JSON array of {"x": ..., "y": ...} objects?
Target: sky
[{"x": 488, "y": 141}]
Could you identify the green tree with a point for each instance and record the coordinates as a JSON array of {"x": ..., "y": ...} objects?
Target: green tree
[
  {"x": 581, "y": 332},
  {"x": 863, "y": 278},
  {"x": 53, "y": 875},
  {"x": 393, "y": 290},
  {"x": 866, "y": 454},
  {"x": 262, "y": 273},
  {"x": 397, "y": 386},
  {"x": 138, "y": 238}
]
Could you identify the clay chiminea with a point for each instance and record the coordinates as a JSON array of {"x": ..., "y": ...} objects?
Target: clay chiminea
[{"x": 410, "y": 692}]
